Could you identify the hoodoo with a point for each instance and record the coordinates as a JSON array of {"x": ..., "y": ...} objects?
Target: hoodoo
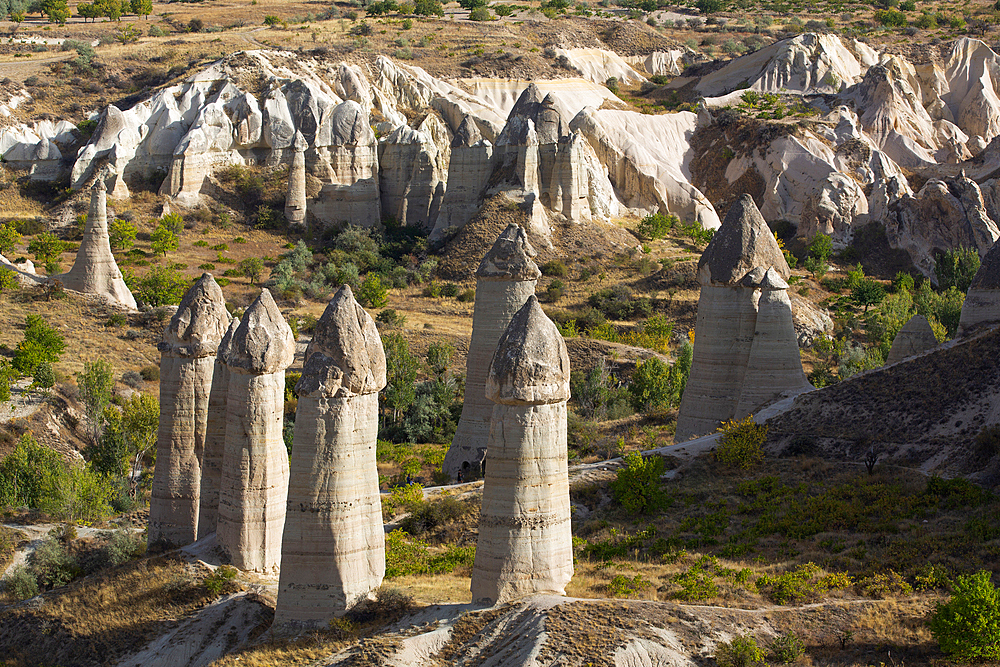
[
  {"x": 914, "y": 338},
  {"x": 982, "y": 303},
  {"x": 187, "y": 368},
  {"x": 333, "y": 549},
  {"x": 295, "y": 202},
  {"x": 727, "y": 317},
  {"x": 254, "y": 483},
  {"x": 95, "y": 270},
  {"x": 215, "y": 439},
  {"x": 525, "y": 544},
  {"x": 505, "y": 279}
]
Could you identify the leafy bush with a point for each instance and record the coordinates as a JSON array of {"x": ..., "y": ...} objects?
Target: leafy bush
[
  {"x": 742, "y": 443},
  {"x": 164, "y": 240},
  {"x": 820, "y": 247},
  {"x": 786, "y": 648},
  {"x": 656, "y": 226},
  {"x": 968, "y": 626},
  {"x": 52, "y": 564},
  {"x": 556, "y": 268},
  {"x": 619, "y": 303},
  {"x": 122, "y": 234},
  {"x": 625, "y": 587},
  {"x": 161, "y": 287},
  {"x": 222, "y": 581},
  {"x": 653, "y": 386},
  {"x": 123, "y": 546},
  {"x": 405, "y": 555},
  {"x": 481, "y": 14},
  {"x": 742, "y": 651},
  {"x": 150, "y": 373},
  {"x": 21, "y": 583},
  {"x": 46, "y": 247},
  {"x": 41, "y": 344},
  {"x": 96, "y": 383},
  {"x": 391, "y": 318},
  {"x": 956, "y": 267},
  {"x": 9, "y": 238},
  {"x": 598, "y": 394},
  {"x": 637, "y": 486}
]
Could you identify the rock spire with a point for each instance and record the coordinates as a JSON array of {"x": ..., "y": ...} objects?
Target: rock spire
[
  {"x": 295, "y": 201},
  {"x": 254, "y": 482},
  {"x": 742, "y": 261},
  {"x": 914, "y": 338},
  {"x": 525, "y": 544},
  {"x": 95, "y": 270},
  {"x": 187, "y": 365},
  {"x": 215, "y": 438},
  {"x": 982, "y": 303},
  {"x": 333, "y": 550},
  {"x": 505, "y": 279}
]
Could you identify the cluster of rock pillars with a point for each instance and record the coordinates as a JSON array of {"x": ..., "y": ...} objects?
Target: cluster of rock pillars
[{"x": 222, "y": 466}]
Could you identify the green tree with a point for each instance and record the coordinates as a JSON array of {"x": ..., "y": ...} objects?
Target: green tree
[
  {"x": 401, "y": 374},
  {"x": 96, "y": 383},
  {"x": 439, "y": 358},
  {"x": 8, "y": 376},
  {"x": 637, "y": 486},
  {"x": 164, "y": 240},
  {"x": 44, "y": 377},
  {"x": 46, "y": 247},
  {"x": 161, "y": 287},
  {"x": 651, "y": 387},
  {"x": 968, "y": 626},
  {"x": 112, "y": 9},
  {"x": 172, "y": 221},
  {"x": 8, "y": 279},
  {"x": 742, "y": 443},
  {"x": 428, "y": 8},
  {"x": 657, "y": 225},
  {"x": 252, "y": 267},
  {"x": 41, "y": 343},
  {"x": 472, "y": 4},
  {"x": 140, "y": 416},
  {"x": 142, "y": 8},
  {"x": 820, "y": 247},
  {"x": 122, "y": 234},
  {"x": 30, "y": 474},
  {"x": 710, "y": 6},
  {"x": 57, "y": 11},
  {"x": 956, "y": 268},
  {"x": 867, "y": 293},
  {"x": 372, "y": 292},
  {"x": 9, "y": 239},
  {"x": 88, "y": 10}
]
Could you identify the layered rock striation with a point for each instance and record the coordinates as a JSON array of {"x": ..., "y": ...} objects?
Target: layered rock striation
[
  {"x": 95, "y": 270},
  {"x": 525, "y": 543},
  {"x": 741, "y": 360},
  {"x": 506, "y": 278},
  {"x": 333, "y": 550},
  {"x": 187, "y": 368},
  {"x": 254, "y": 482},
  {"x": 215, "y": 438}
]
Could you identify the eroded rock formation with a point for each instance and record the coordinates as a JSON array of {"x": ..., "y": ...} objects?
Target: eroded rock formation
[
  {"x": 732, "y": 271},
  {"x": 982, "y": 303},
  {"x": 215, "y": 438},
  {"x": 95, "y": 270},
  {"x": 187, "y": 365},
  {"x": 254, "y": 483},
  {"x": 505, "y": 279},
  {"x": 525, "y": 544},
  {"x": 333, "y": 551},
  {"x": 915, "y": 337},
  {"x": 295, "y": 201}
]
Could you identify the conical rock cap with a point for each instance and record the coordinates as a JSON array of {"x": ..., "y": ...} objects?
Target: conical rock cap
[
  {"x": 197, "y": 328},
  {"x": 510, "y": 258},
  {"x": 530, "y": 365},
  {"x": 742, "y": 243},
  {"x": 346, "y": 354},
  {"x": 263, "y": 342},
  {"x": 988, "y": 275}
]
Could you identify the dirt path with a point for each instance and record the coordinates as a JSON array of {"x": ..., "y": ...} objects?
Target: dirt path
[
  {"x": 19, "y": 70},
  {"x": 248, "y": 37}
]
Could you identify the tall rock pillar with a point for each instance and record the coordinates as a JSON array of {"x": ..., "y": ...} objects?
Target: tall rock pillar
[
  {"x": 295, "y": 200},
  {"x": 187, "y": 365},
  {"x": 215, "y": 438},
  {"x": 505, "y": 279},
  {"x": 333, "y": 548},
  {"x": 982, "y": 303},
  {"x": 95, "y": 270},
  {"x": 525, "y": 544},
  {"x": 254, "y": 484},
  {"x": 727, "y": 318}
]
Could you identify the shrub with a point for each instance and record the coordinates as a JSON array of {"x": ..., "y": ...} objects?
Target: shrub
[
  {"x": 150, "y": 373},
  {"x": 968, "y": 626},
  {"x": 891, "y": 18},
  {"x": 123, "y": 546},
  {"x": 46, "y": 247},
  {"x": 372, "y": 293},
  {"x": 555, "y": 268},
  {"x": 391, "y": 318},
  {"x": 821, "y": 247},
  {"x": 52, "y": 564},
  {"x": 96, "y": 383},
  {"x": 161, "y": 287},
  {"x": 41, "y": 343},
  {"x": 428, "y": 8},
  {"x": 652, "y": 386},
  {"x": 656, "y": 226},
  {"x": 122, "y": 234},
  {"x": 132, "y": 379},
  {"x": 956, "y": 267},
  {"x": 618, "y": 303},
  {"x": 624, "y": 587},
  {"x": 8, "y": 279},
  {"x": 742, "y": 443},
  {"x": 222, "y": 581},
  {"x": 44, "y": 377},
  {"x": 742, "y": 651},
  {"x": 637, "y": 486},
  {"x": 481, "y": 14},
  {"x": 21, "y": 583},
  {"x": 786, "y": 648},
  {"x": 9, "y": 238}
]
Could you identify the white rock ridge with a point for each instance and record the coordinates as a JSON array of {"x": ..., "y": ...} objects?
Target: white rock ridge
[
  {"x": 506, "y": 278},
  {"x": 333, "y": 550},
  {"x": 254, "y": 484},
  {"x": 95, "y": 271},
  {"x": 187, "y": 365},
  {"x": 525, "y": 543}
]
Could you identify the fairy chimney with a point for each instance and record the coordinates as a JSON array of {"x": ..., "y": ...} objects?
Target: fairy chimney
[
  {"x": 295, "y": 201},
  {"x": 914, "y": 338}
]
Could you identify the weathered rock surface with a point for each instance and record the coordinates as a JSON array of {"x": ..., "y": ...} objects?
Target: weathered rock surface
[
  {"x": 732, "y": 270},
  {"x": 525, "y": 543},
  {"x": 333, "y": 550},
  {"x": 469, "y": 169},
  {"x": 187, "y": 364},
  {"x": 295, "y": 201},
  {"x": 95, "y": 270},
  {"x": 254, "y": 483},
  {"x": 915, "y": 337},
  {"x": 506, "y": 278},
  {"x": 982, "y": 304},
  {"x": 215, "y": 438}
]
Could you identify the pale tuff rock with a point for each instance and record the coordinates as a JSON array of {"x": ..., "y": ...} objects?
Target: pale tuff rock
[
  {"x": 332, "y": 550},
  {"x": 215, "y": 438},
  {"x": 916, "y": 337},
  {"x": 598, "y": 65},
  {"x": 348, "y": 166},
  {"x": 295, "y": 201},
  {"x": 24, "y": 271},
  {"x": 810, "y": 321},
  {"x": 732, "y": 272},
  {"x": 414, "y": 172},
  {"x": 944, "y": 214},
  {"x": 469, "y": 167},
  {"x": 525, "y": 544},
  {"x": 505, "y": 279},
  {"x": 254, "y": 484},
  {"x": 663, "y": 63},
  {"x": 982, "y": 303},
  {"x": 774, "y": 368},
  {"x": 187, "y": 365},
  {"x": 36, "y": 147},
  {"x": 95, "y": 270}
]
